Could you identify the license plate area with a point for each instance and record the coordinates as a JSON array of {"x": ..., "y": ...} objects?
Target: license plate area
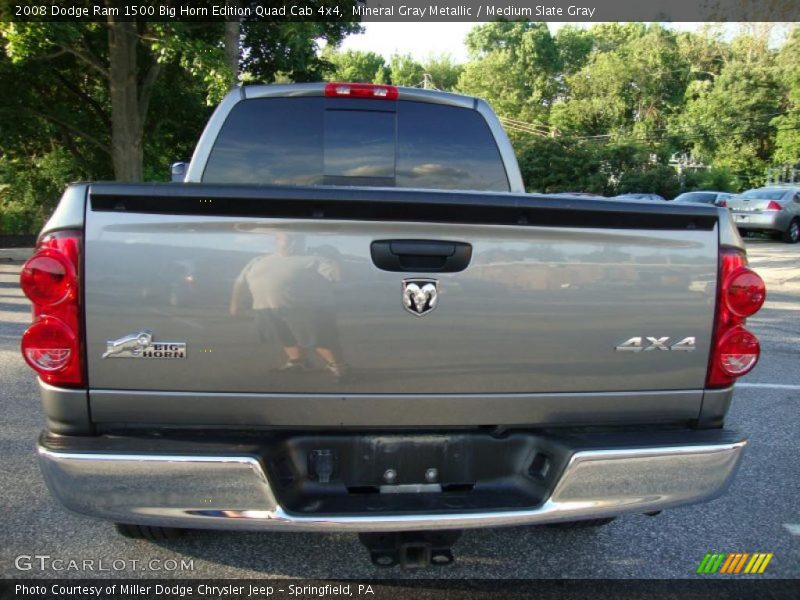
[{"x": 349, "y": 474}]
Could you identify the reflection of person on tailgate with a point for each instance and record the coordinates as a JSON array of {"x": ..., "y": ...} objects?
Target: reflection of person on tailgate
[{"x": 292, "y": 295}]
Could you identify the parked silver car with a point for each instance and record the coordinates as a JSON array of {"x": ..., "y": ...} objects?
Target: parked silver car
[
  {"x": 704, "y": 197},
  {"x": 640, "y": 196},
  {"x": 775, "y": 210}
]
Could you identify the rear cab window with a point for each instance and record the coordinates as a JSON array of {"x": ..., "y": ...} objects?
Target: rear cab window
[{"x": 356, "y": 142}]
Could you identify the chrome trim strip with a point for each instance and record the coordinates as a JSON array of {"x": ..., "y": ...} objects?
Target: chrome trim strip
[{"x": 233, "y": 492}]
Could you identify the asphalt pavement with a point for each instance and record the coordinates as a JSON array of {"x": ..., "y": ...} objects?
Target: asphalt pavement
[{"x": 759, "y": 513}]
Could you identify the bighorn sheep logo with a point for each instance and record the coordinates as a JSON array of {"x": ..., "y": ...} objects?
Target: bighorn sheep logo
[
  {"x": 420, "y": 296},
  {"x": 130, "y": 345},
  {"x": 141, "y": 345}
]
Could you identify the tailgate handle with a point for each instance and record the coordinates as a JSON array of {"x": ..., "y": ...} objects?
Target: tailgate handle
[{"x": 421, "y": 256}]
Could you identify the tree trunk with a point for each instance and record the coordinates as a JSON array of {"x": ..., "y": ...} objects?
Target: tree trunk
[
  {"x": 126, "y": 119},
  {"x": 232, "y": 33}
]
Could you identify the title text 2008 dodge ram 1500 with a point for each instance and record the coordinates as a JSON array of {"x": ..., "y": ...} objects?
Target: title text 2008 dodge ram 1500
[{"x": 321, "y": 330}]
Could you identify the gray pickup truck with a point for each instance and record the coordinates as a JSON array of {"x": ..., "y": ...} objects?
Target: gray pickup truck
[{"x": 350, "y": 317}]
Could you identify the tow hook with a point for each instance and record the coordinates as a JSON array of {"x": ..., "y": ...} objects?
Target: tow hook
[{"x": 411, "y": 549}]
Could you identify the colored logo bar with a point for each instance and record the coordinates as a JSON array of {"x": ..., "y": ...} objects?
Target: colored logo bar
[{"x": 733, "y": 563}]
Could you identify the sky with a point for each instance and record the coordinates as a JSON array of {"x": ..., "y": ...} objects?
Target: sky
[
  {"x": 424, "y": 39},
  {"x": 419, "y": 39}
]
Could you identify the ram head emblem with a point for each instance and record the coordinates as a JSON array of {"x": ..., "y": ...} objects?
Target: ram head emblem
[{"x": 420, "y": 296}]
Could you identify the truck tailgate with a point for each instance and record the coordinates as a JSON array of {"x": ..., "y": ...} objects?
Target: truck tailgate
[{"x": 539, "y": 308}]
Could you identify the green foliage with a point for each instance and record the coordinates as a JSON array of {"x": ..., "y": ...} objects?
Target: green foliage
[
  {"x": 551, "y": 165},
  {"x": 731, "y": 105},
  {"x": 623, "y": 98},
  {"x": 443, "y": 72},
  {"x": 733, "y": 118},
  {"x": 574, "y": 45},
  {"x": 787, "y": 125},
  {"x": 404, "y": 70},
  {"x": 30, "y": 189},
  {"x": 355, "y": 66},
  {"x": 716, "y": 179},
  {"x": 56, "y": 109},
  {"x": 568, "y": 165},
  {"x": 291, "y": 49},
  {"x": 513, "y": 66},
  {"x": 180, "y": 113},
  {"x": 609, "y": 37},
  {"x": 633, "y": 87},
  {"x": 368, "y": 67},
  {"x": 650, "y": 178}
]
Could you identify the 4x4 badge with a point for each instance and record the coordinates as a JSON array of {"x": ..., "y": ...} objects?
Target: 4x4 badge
[
  {"x": 141, "y": 345},
  {"x": 420, "y": 296},
  {"x": 639, "y": 344}
]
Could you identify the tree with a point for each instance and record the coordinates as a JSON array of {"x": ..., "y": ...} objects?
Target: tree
[
  {"x": 356, "y": 66},
  {"x": 513, "y": 65},
  {"x": 632, "y": 84},
  {"x": 404, "y": 70},
  {"x": 574, "y": 45},
  {"x": 652, "y": 178},
  {"x": 598, "y": 100},
  {"x": 787, "y": 124},
  {"x": 56, "y": 129},
  {"x": 716, "y": 179},
  {"x": 732, "y": 118},
  {"x": 551, "y": 165},
  {"x": 609, "y": 37},
  {"x": 442, "y": 71},
  {"x": 127, "y": 59},
  {"x": 290, "y": 49}
]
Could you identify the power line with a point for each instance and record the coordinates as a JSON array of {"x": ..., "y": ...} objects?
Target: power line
[
  {"x": 687, "y": 138},
  {"x": 706, "y": 126}
]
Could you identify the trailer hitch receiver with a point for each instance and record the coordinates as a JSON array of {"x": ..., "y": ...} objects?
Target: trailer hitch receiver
[{"x": 411, "y": 549}]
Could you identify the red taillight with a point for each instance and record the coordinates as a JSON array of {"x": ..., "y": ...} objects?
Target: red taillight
[
  {"x": 49, "y": 345},
  {"x": 722, "y": 203},
  {"x": 738, "y": 352},
  {"x": 47, "y": 278},
  {"x": 740, "y": 293},
  {"x": 361, "y": 90},
  {"x": 773, "y": 206},
  {"x": 52, "y": 344},
  {"x": 744, "y": 292}
]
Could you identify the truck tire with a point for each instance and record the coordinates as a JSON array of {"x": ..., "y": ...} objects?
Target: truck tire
[
  {"x": 792, "y": 233},
  {"x": 146, "y": 532},
  {"x": 585, "y": 524}
]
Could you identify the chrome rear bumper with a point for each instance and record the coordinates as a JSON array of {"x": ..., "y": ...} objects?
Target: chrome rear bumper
[{"x": 233, "y": 492}]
